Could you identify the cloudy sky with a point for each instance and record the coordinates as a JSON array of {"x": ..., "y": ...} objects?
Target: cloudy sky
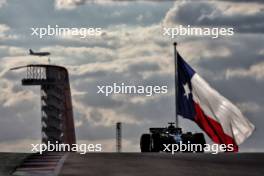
[{"x": 132, "y": 50}]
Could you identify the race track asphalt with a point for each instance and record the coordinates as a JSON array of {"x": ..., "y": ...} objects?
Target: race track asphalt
[{"x": 162, "y": 164}]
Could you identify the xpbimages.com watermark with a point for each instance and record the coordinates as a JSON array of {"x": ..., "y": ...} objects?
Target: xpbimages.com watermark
[
  {"x": 56, "y": 30},
  {"x": 214, "y": 32},
  {"x": 57, "y": 147},
  {"x": 129, "y": 89},
  {"x": 212, "y": 148}
]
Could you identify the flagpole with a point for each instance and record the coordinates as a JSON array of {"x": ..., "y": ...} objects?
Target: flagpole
[{"x": 176, "y": 83}]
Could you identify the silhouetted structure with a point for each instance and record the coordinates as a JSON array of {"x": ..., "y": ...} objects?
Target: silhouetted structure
[
  {"x": 118, "y": 137},
  {"x": 56, "y": 104}
]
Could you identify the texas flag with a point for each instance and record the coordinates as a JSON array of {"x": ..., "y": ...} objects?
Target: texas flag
[{"x": 216, "y": 115}]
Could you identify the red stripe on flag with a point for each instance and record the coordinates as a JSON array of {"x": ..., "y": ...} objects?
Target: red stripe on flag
[{"x": 213, "y": 128}]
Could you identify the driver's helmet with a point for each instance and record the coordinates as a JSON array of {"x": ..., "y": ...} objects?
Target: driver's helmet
[{"x": 172, "y": 129}]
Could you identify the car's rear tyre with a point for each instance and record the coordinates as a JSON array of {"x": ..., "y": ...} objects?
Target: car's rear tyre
[
  {"x": 187, "y": 139},
  {"x": 198, "y": 138},
  {"x": 156, "y": 143},
  {"x": 145, "y": 143}
]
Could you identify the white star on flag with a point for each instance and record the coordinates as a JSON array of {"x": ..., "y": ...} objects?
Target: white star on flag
[{"x": 186, "y": 90}]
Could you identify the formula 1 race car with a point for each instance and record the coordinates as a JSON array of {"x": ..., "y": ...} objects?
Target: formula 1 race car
[{"x": 159, "y": 137}]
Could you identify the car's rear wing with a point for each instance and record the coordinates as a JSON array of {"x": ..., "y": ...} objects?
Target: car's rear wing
[{"x": 158, "y": 130}]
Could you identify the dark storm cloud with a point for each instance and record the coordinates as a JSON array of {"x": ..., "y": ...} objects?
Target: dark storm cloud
[
  {"x": 40, "y": 14},
  {"x": 244, "y": 1},
  {"x": 242, "y": 55},
  {"x": 94, "y": 74},
  {"x": 209, "y": 14},
  {"x": 99, "y": 100},
  {"x": 141, "y": 67},
  {"x": 109, "y": 15}
]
